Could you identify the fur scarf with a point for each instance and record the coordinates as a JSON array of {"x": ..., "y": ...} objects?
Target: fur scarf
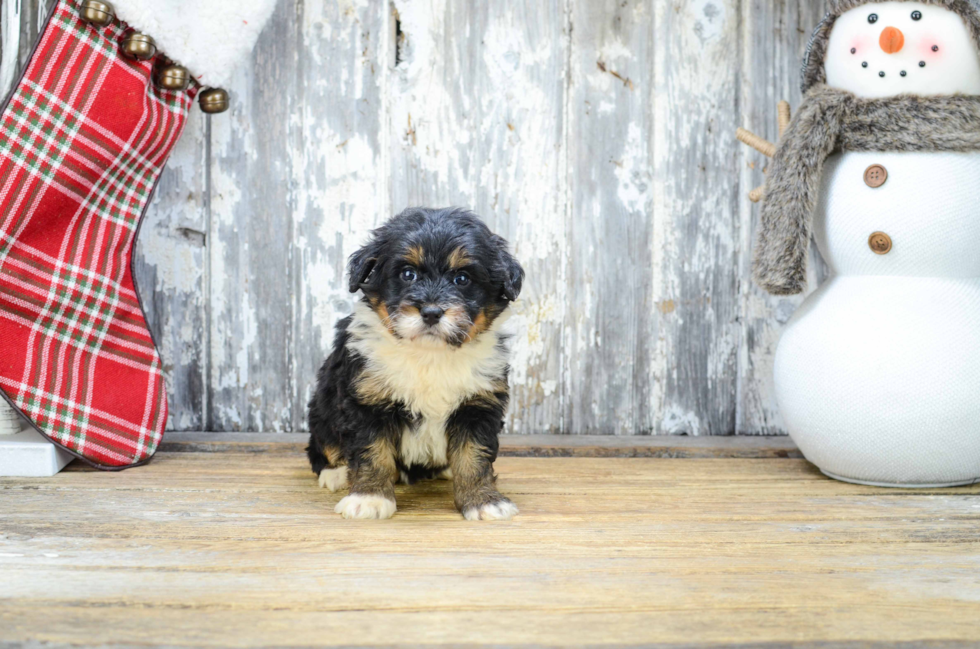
[{"x": 829, "y": 121}]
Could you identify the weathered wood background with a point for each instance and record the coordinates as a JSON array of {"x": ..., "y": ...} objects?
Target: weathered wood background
[{"x": 596, "y": 135}]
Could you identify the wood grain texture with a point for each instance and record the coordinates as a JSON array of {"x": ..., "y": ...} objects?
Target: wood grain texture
[
  {"x": 170, "y": 265},
  {"x": 774, "y": 40},
  {"x": 661, "y": 446},
  {"x": 215, "y": 550},
  {"x": 696, "y": 108},
  {"x": 339, "y": 172},
  {"x": 253, "y": 197},
  {"x": 610, "y": 324},
  {"x": 596, "y": 135}
]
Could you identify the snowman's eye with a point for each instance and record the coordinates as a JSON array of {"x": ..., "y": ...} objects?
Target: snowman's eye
[
  {"x": 916, "y": 15},
  {"x": 873, "y": 18}
]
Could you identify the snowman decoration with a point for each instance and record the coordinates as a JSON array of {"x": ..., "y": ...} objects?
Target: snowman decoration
[{"x": 877, "y": 375}]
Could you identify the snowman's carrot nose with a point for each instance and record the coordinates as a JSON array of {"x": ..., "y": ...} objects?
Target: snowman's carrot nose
[{"x": 892, "y": 40}]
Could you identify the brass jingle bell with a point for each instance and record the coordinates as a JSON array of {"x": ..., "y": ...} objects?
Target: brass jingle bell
[
  {"x": 99, "y": 14},
  {"x": 139, "y": 47},
  {"x": 173, "y": 77},
  {"x": 213, "y": 100}
]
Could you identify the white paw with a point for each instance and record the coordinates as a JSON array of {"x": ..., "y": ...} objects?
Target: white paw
[
  {"x": 333, "y": 479},
  {"x": 365, "y": 506},
  {"x": 503, "y": 510},
  {"x": 445, "y": 474}
]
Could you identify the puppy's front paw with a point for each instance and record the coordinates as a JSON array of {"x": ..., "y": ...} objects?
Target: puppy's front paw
[
  {"x": 365, "y": 506},
  {"x": 333, "y": 479},
  {"x": 499, "y": 510}
]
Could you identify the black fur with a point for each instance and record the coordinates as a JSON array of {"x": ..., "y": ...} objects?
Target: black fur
[
  {"x": 413, "y": 262},
  {"x": 496, "y": 276},
  {"x": 336, "y": 418}
]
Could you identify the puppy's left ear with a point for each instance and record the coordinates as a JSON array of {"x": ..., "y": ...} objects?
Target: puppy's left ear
[
  {"x": 361, "y": 267},
  {"x": 509, "y": 269}
]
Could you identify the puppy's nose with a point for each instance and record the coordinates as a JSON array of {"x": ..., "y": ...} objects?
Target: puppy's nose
[
  {"x": 431, "y": 314},
  {"x": 892, "y": 40}
]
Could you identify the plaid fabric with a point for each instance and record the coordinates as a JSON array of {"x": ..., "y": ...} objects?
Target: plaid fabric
[{"x": 83, "y": 140}]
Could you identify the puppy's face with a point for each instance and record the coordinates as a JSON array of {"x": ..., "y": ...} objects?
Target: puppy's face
[{"x": 436, "y": 275}]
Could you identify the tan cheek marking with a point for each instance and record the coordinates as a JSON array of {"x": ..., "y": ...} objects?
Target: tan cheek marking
[
  {"x": 404, "y": 311},
  {"x": 478, "y": 327},
  {"x": 455, "y": 314},
  {"x": 382, "y": 310}
]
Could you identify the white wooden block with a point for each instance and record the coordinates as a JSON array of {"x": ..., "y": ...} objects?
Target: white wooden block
[{"x": 28, "y": 454}]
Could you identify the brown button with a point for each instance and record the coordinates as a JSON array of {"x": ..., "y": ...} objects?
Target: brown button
[
  {"x": 880, "y": 243},
  {"x": 875, "y": 176}
]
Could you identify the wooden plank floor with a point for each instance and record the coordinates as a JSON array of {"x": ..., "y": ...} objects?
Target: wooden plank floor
[{"x": 242, "y": 549}]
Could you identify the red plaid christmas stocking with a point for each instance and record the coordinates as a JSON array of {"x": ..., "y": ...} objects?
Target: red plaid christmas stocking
[{"x": 83, "y": 139}]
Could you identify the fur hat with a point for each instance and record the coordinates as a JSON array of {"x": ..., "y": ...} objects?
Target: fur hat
[{"x": 813, "y": 72}]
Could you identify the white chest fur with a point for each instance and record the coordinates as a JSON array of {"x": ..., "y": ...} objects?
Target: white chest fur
[
  {"x": 431, "y": 379},
  {"x": 426, "y": 444}
]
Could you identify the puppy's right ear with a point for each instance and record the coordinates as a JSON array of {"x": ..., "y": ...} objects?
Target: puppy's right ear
[
  {"x": 508, "y": 269},
  {"x": 361, "y": 267}
]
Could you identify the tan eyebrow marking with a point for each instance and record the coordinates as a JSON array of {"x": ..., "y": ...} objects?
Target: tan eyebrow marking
[
  {"x": 458, "y": 258},
  {"x": 415, "y": 256}
]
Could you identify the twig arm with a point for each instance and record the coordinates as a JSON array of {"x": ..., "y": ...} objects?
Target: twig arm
[
  {"x": 765, "y": 147},
  {"x": 784, "y": 115}
]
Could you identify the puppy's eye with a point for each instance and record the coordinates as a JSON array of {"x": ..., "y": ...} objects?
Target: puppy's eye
[
  {"x": 873, "y": 18},
  {"x": 409, "y": 275},
  {"x": 461, "y": 280},
  {"x": 916, "y": 15}
]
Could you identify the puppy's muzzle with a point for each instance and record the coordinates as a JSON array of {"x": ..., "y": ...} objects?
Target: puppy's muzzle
[{"x": 431, "y": 314}]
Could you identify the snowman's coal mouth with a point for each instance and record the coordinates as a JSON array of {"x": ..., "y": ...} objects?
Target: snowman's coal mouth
[{"x": 902, "y": 73}]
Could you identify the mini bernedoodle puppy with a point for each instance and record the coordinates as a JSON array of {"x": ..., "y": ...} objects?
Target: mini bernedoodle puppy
[{"x": 416, "y": 385}]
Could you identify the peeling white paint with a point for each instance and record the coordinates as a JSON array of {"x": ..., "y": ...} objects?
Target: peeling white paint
[
  {"x": 677, "y": 421},
  {"x": 594, "y": 134},
  {"x": 708, "y": 17},
  {"x": 10, "y": 23}
]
